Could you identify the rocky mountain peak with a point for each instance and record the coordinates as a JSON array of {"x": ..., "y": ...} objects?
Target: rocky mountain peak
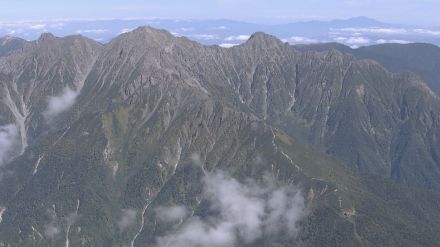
[
  {"x": 46, "y": 36},
  {"x": 263, "y": 39},
  {"x": 146, "y": 34}
]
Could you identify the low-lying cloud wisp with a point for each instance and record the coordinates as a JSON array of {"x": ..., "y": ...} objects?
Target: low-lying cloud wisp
[
  {"x": 228, "y": 45},
  {"x": 52, "y": 229},
  {"x": 242, "y": 37},
  {"x": 55, "y": 226},
  {"x": 8, "y": 138},
  {"x": 60, "y": 103},
  {"x": 171, "y": 214},
  {"x": 128, "y": 218},
  {"x": 2, "y": 211},
  {"x": 242, "y": 213}
]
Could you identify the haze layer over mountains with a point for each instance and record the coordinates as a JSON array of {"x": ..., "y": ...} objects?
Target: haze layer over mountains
[{"x": 354, "y": 32}]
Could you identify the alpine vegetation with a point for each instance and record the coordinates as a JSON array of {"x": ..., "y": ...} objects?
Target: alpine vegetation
[{"x": 242, "y": 213}]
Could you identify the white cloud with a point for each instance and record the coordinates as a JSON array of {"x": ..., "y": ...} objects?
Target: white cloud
[
  {"x": 126, "y": 30},
  {"x": 399, "y": 41},
  {"x": 93, "y": 31},
  {"x": 171, "y": 214},
  {"x": 381, "y": 41},
  {"x": 186, "y": 29},
  {"x": 203, "y": 36},
  {"x": 2, "y": 211},
  {"x": 395, "y": 41},
  {"x": 14, "y": 31},
  {"x": 427, "y": 32},
  {"x": 340, "y": 39},
  {"x": 355, "y": 31},
  {"x": 227, "y": 45},
  {"x": 37, "y": 26},
  {"x": 375, "y": 30},
  {"x": 19, "y": 27},
  {"x": 128, "y": 218},
  {"x": 52, "y": 229},
  {"x": 300, "y": 40},
  {"x": 58, "y": 25},
  {"x": 61, "y": 103},
  {"x": 242, "y": 37},
  {"x": 243, "y": 212},
  {"x": 8, "y": 139},
  {"x": 357, "y": 41},
  {"x": 176, "y": 34}
]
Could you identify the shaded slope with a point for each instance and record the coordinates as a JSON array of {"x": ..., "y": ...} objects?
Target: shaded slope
[
  {"x": 422, "y": 59},
  {"x": 10, "y": 44}
]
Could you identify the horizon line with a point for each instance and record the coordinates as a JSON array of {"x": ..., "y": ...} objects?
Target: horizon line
[{"x": 140, "y": 18}]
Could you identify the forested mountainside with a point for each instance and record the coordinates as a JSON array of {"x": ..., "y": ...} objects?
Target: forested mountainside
[{"x": 257, "y": 145}]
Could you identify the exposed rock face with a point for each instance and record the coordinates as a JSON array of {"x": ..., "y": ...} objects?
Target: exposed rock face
[
  {"x": 421, "y": 58},
  {"x": 153, "y": 114},
  {"x": 42, "y": 69},
  {"x": 308, "y": 94}
]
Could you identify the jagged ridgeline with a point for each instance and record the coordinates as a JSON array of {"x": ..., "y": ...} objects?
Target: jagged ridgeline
[{"x": 154, "y": 140}]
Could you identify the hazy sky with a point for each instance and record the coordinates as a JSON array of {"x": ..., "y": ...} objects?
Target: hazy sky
[{"x": 398, "y": 11}]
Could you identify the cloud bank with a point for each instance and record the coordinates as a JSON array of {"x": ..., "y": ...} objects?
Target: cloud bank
[
  {"x": 242, "y": 37},
  {"x": 300, "y": 40},
  {"x": 61, "y": 103},
  {"x": 93, "y": 31},
  {"x": 242, "y": 213},
  {"x": 395, "y": 41},
  {"x": 228, "y": 45}
]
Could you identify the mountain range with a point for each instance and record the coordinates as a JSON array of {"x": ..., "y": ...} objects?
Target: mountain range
[
  {"x": 260, "y": 144},
  {"x": 354, "y": 32}
]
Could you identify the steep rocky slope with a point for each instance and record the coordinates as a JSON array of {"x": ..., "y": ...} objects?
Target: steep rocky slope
[
  {"x": 154, "y": 115},
  {"x": 307, "y": 94},
  {"x": 421, "y": 58},
  {"x": 42, "y": 69}
]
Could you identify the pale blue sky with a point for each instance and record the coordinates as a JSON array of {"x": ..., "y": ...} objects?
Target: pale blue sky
[{"x": 398, "y": 11}]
